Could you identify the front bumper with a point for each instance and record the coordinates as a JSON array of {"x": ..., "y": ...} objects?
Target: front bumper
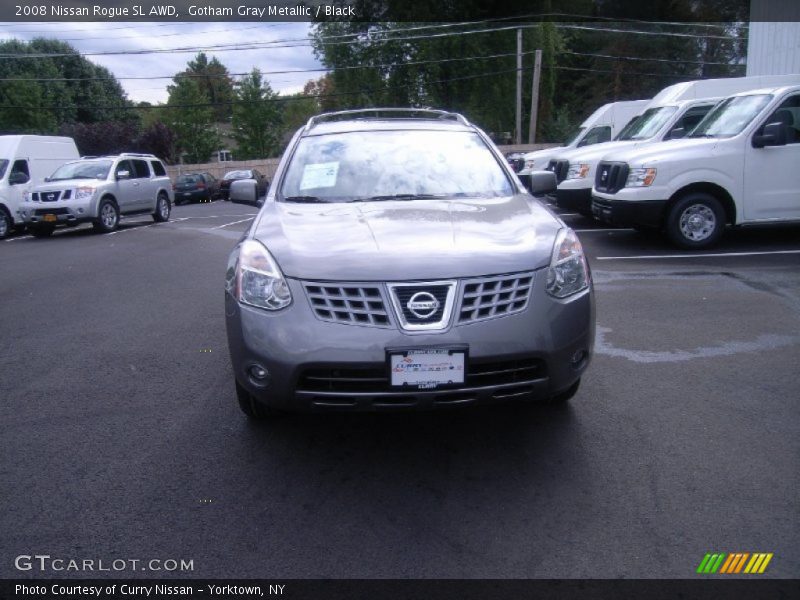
[
  {"x": 624, "y": 213},
  {"x": 577, "y": 199},
  {"x": 71, "y": 212},
  {"x": 311, "y": 363}
]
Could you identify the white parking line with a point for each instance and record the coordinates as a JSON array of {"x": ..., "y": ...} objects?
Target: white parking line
[
  {"x": 611, "y": 229},
  {"x": 132, "y": 228},
  {"x": 717, "y": 255},
  {"x": 234, "y": 223},
  {"x": 24, "y": 237}
]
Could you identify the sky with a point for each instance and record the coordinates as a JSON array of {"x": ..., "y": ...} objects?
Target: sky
[{"x": 89, "y": 37}]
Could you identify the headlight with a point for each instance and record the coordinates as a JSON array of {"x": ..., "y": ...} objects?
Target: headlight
[
  {"x": 640, "y": 177},
  {"x": 254, "y": 278},
  {"x": 568, "y": 273},
  {"x": 529, "y": 163},
  {"x": 578, "y": 171},
  {"x": 28, "y": 197},
  {"x": 82, "y": 193}
]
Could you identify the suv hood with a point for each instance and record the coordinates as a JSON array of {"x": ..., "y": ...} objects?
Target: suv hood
[
  {"x": 652, "y": 154},
  {"x": 66, "y": 184},
  {"x": 545, "y": 152},
  {"x": 408, "y": 240}
]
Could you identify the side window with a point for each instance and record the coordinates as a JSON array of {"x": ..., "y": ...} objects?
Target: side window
[
  {"x": 141, "y": 169},
  {"x": 21, "y": 166},
  {"x": 124, "y": 165},
  {"x": 596, "y": 135},
  {"x": 158, "y": 168},
  {"x": 788, "y": 113}
]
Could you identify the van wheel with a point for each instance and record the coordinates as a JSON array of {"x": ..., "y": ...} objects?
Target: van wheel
[
  {"x": 41, "y": 231},
  {"x": 162, "y": 209},
  {"x": 5, "y": 224},
  {"x": 107, "y": 216},
  {"x": 696, "y": 221},
  {"x": 253, "y": 408}
]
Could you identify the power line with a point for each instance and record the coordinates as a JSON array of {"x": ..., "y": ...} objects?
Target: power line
[{"x": 663, "y": 60}]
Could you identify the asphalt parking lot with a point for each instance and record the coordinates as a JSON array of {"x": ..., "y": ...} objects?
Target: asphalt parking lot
[{"x": 121, "y": 437}]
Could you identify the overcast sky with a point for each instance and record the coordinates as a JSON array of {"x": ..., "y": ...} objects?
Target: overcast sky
[{"x": 120, "y": 36}]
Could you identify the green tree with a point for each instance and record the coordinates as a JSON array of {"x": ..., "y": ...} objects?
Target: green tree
[
  {"x": 21, "y": 108},
  {"x": 215, "y": 81},
  {"x": 257, "y": 118},
  {"x": 191, "y": 118}
]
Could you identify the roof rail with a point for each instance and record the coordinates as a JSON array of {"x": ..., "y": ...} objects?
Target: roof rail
[
  {"x": 395, "y": 113},
  {"x": 137, "y": 154}
]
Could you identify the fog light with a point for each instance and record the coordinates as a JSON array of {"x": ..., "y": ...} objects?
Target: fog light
[
  {"x": 578, "y": 358},
  {"x": 258, "y": 375}
]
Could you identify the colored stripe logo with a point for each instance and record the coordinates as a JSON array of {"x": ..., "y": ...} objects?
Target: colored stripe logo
[{"x": 734, "y": 563}]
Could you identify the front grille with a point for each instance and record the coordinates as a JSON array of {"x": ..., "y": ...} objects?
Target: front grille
[
  {"x": 611, "y": 177},
  {"x": 422, "y": 293},
  {"x": 560, "y": 168},
  {"x": 374, "y": 379},
  {"x": 494, "y": 297},
  {"x": 47, "y": 196},
  {"x": 349, "y": 304},
  {"x": 51, "y": 211}
]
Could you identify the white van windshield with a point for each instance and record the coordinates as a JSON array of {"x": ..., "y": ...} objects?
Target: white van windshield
[
  {"x": 86, "y": 169},
  {"x": 648, "y": 124},
  {"x": 731, "y": 116},
  {"x": 3, "y": 167},
  {"x": 573, "y": 137}
]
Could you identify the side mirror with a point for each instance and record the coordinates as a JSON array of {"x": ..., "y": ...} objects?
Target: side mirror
[
  {"x": 123, "y": 175},
  {"x": 774, "y": 135},
  {"x": 244, "y": 191},
  {"x": 542, "y": 182},
  {"x": 46, "y": 179},
  {"x": 677, "y": 133},
  {"x": 17, "y": 177}
]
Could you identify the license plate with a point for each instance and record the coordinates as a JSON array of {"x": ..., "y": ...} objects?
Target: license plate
[
  {"x": 187, "y": 193},
  {"x": 49, "y": 218},
  {"x": 427, "y": 368}
]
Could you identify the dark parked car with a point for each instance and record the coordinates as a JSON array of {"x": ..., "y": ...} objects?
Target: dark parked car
[
  {"x": 196, "y": 187},
  {"x": 398, "y": 263},
  {"x": 516, "y": 160},
  {"x": 261, "y": 182}
]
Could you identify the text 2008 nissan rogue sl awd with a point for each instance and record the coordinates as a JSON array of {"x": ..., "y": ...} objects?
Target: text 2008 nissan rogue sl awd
[{"x": 398, "y": 263}]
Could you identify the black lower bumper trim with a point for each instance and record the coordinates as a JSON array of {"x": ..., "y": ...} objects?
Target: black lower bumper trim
[
  {"x": 577, "y": 200},
  {"x": 646, "y": 213}
]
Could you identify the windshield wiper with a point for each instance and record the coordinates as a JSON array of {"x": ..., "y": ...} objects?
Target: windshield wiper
[
  {"x": 307, "y": 199},
  {"x": 402, "y": 197}
]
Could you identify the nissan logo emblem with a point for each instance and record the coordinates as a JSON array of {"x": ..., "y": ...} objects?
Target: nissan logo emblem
[{"x": 423, "y": 305}]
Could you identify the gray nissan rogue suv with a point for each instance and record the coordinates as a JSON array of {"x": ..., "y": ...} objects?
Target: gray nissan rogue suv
[{"x": 398, "y": 262}]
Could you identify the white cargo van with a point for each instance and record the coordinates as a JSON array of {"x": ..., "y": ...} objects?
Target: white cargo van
[
  {"x": 740, "y": 165},
  {"x": 672, "y": 113},
  {"x": 25, "y": 160},
  {"x": 602, "y": 125}
]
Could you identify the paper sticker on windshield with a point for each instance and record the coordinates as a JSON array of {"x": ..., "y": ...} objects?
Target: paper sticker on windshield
[{"x": 320, "y": 175}]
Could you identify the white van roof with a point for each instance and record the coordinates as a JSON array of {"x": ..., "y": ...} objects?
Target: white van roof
[
  {"x": 772, "y": 90},
  {"x": 713, "y": 88},
  {"x": 611, "y": 108},
  {"x": 10, "y": 143}
]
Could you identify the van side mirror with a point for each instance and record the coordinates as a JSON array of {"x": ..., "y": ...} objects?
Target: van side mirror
[
  {"x": 123, "y": 175},
  {"x": 17, "y": 177},
  {"x": 677, "y": 133},
  {"x": 774, "y": 135}
]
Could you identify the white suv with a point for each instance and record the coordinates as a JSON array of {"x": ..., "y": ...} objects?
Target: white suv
[
  {"x": 739, "y": 166},
  {"x": 99, "y": 190}
]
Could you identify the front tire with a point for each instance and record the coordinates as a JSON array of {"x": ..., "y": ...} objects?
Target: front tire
[
  {"x": 696, "y": 221},
  {"x": 107, "y": 216},
  {"x": 5, "y": 224},
  {"x": 163, "y": 209},
  {"x": 253, "y": 408}
]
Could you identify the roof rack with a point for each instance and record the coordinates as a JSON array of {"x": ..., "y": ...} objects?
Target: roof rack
[
  {"x": 395, "y": 113},
  {"x": 139, "y": 154}
]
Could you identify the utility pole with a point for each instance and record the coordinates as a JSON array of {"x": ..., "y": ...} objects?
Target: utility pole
[
  {"x": 518, "y": 138},
  {"x": 537, "y": 72}
]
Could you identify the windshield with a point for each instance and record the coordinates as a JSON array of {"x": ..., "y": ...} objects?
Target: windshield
[
  {"x": 87, "y": 169},
  {"x": 383, "y": 165},
  {"x": 238, "y": 175},
  {"x": 3, "y": 167},
  {"x": 628, "y": 126},
  {"x": 188, "y": 179},
  {"x": 731, "y": 116},
  {"x": 572, "y": 138},
  {"x": 647, "y": 125}
]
